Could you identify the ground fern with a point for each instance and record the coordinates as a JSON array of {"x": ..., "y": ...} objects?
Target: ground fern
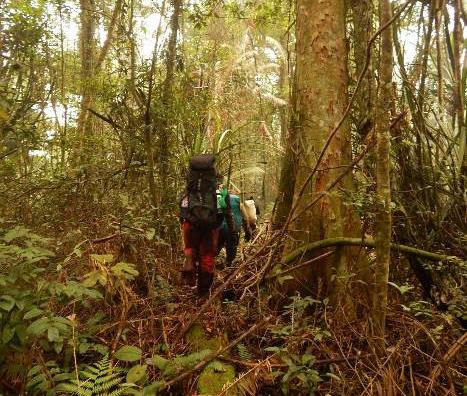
[
  {"x": 243, "y": 352},
  {"x": 100, "y": 379}
]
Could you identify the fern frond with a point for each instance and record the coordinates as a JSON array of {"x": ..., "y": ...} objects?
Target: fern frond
[
  {"x": 119, "y": 392},
  {"x": 108, "y": 384},
  {"x": 243, "y": 352},
  {"x": 99, "y": 379},
  {"x": 277, "y": 47},
  {"x": 89, "y": 375},
  {"x": 247, "y": 385}
]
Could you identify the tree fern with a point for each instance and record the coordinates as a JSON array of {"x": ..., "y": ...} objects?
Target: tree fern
[{"x": 100, "y": 379}]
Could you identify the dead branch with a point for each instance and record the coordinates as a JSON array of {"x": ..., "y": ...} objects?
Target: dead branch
[{"x": 343, "y": 241}]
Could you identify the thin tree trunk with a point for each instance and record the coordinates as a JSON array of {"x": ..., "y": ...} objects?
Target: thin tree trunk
[
  {"x": 459, "y": 104},
  {"x": 439, "y": 57},
  {"x": 87, "y": 54},
  {"x": 284, "y": 199},
  {"x": 63, "y": 129},
  {"x": 165, "y": 137},
  {"x": 383, "y": 188},
  {"x": 362, "y": 13},
  {"x": 90, "y": 66},
  {"x": 426, "y": 52},
  {"x": 110, "y": 34},
  {"x": 148, "y": 129}
]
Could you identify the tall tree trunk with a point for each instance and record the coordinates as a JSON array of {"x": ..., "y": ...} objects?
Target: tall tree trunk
[
  {"x": 321, "y": 99},
  {"x": 284, "y": 199},
  {"x": 148, "y": 125},
  {"x": 91, "y": 63},
  {"x": 165, "y": 137},
  {"x": 383, "y": 188},
  {"x": 88, "y": 61},
  {"x": 459, "y": 94},
  {"x": 362, "y": 13},
  {"x": 63, "y": 128},
  {"x": 439, "y": 56}
]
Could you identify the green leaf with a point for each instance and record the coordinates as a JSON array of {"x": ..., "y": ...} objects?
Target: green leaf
[
  {"x": 93, "y": 277},
  {"x": 136, "y": 373},
  {"x": 7, "y": 334},
  {"x": 125, "y": 270},
  {"x": 102, "y": 258},
  {"x": 38, "y": 326},
  {"x": 53, "y": 334},
  {"x": 102, "y": 349},
  {"x": 58, "y": 346},
  {"x": 128, "y": 353},
  {"x": 63, "y": 376},
  {"x": 152, "y": 389},
  {"x": 307, "y": 358},
  {"x": 333, "y": 376},
  {"x": 150, "y": 232},
  {"x": 83, "y": 347},
  {"x": 159, "y": 362},
  {"x": 33, "y": 313},
  {"x": 20, "y": 304},
  {"x": 402, "y": 288},
  {"x": 17, "y": 232},
  {"x": 7, "y": 302}
]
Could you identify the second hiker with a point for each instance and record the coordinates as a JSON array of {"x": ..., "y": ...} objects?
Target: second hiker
[{"x": 229, "y": 232}]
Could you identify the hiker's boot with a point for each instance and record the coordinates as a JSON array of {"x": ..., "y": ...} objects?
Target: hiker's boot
[
  {"x": 205, "y": 280},
  {"x": 189, "y": 271}
]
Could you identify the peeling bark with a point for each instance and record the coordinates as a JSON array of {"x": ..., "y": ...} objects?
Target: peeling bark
[{"x": 321, "y": 99}]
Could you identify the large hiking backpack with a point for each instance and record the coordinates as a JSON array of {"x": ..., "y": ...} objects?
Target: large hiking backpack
[{"x": 201, "y": 191}]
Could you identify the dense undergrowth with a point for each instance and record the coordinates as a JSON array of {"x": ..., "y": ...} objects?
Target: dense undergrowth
[{"x": 106, "y": 315}]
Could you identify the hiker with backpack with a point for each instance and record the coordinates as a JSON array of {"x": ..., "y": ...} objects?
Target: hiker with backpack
[
  {"x": 250, "y": 214},
  {"x": 201, "y": 218},
  {"x": 229, "y": 231}
]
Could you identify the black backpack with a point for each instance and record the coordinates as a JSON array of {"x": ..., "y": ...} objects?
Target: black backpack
[{"x": 201, "y": 192}]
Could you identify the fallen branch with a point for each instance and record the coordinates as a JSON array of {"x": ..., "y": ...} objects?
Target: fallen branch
[
  {"x": 283, "y": 365},
  {"x": 456, "y": 347},
  {"x": 342, "y": 241},
  {"x": 105, "y": 239}
]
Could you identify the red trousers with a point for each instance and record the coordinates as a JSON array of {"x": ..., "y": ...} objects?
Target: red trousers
[{"x": 201, "y": 244}]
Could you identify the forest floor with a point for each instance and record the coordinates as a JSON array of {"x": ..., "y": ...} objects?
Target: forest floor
[
  {"x": 263, "y": 342},
  {"x": 247, "y": 337}
]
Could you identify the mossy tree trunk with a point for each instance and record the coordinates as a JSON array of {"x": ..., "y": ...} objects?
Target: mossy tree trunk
[
  {"x": 383, "y": 187},
  {"x": 88, "y": 61}
]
